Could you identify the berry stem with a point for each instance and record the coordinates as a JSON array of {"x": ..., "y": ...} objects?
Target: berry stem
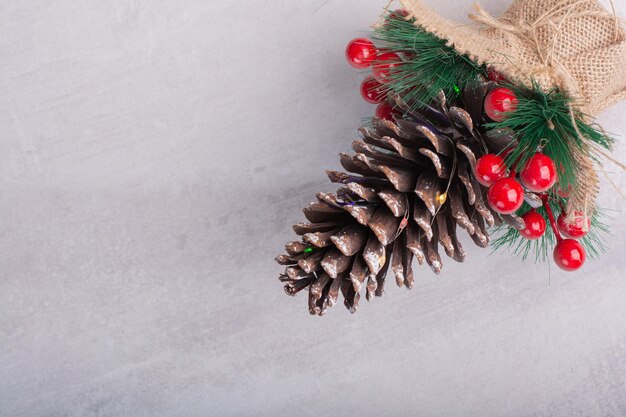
[
  {"x": 546, "y": 203},
  {"x": 513, "y": 172}
]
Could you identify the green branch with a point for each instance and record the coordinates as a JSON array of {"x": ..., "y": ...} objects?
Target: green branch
[
  {"x": 546, "y": 119},
  {"x": 429, "y": 65},
  {"x": 541, "y": 249}
]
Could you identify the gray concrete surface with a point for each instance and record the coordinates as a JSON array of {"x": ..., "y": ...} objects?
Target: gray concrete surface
[{"x": 153, "y": 155}]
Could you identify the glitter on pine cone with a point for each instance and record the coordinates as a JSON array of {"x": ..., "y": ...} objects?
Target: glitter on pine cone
[{"x": 409, "y": 189}]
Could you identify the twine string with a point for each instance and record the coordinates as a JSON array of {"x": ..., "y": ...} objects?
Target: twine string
[
  {"x": 385, "y": 12},
  {"x": 528, "y": 31}
]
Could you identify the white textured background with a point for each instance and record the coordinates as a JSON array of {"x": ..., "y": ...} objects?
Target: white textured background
[{"x": 153, "y": 155}]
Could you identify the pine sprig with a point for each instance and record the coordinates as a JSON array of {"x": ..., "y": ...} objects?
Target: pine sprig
[
  {"x": 546, "y": 119},
  {"x": 429, "y": 64},
  {"x": 541, "y": 249}
]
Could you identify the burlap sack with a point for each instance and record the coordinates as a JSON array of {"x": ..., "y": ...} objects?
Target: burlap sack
[{"x": 575, "y": 45}]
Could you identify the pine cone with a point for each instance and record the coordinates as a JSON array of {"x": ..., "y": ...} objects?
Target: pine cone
[{"x": 414, "y": 185}]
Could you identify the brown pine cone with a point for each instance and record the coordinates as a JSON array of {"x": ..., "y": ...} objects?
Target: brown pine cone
[{"x": 411, "y": 185}]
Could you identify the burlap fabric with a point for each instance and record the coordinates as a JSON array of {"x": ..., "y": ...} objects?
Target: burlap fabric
[{"x": 575, "y": 45}]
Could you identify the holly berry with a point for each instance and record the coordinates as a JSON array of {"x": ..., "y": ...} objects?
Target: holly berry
[
  {"x": 384, "y": 66},
  {"x": 506, "y": 196},
  {"x": 499, "y": 103},
  {"x": 398, "y": 14},
  {"x": 539, "y": 174},
  {"x": 569, "y": 255},
  {"x": 495, "y": 75},
  {"x": 360, "y": 53},
  {"x": 372, "y": 91},
  {"x": 565, "y": 192},
  {"x": 576, "y": 228},
  {"x": 401, "y": 13},
  {"x": 535, "y": 225},
  {"x": 489, "y": 169},
  {"x": 385, "y": 111}
]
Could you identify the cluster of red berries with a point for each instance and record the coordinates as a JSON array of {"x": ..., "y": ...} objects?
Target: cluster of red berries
[
  {"x": 539, "y": 175},
  {"x": 569, "y": 254},
  {"x": 361, "y": 53},
  {"x": 506, "y": 194}
]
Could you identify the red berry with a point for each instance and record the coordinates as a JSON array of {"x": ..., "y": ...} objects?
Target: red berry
[
  {"x": 569, "y": 255},
  {"x": 565, "y": 193},
  {"x": 575, "y": 228},
  {"x": 489, "y": 169},
  {"x": 386, "y": 112},
  {"x": 399, "y": 14},
  {"x": 499, "y": 103},
  {"x": 372, "y": 91},
  {"x": 506, "y": 196},
  {"x": 539, "y": 174},
  {"x": 495, "y": 75},
  {"x": 360, "y": 53},
  {"x": 383, "y": 67},
  {"x": 535, "y": 225}
]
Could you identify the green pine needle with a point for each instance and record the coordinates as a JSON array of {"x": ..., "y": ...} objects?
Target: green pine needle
[
  {"x": 541, "y": 249},
  {"x": 429, "y": 65}
]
